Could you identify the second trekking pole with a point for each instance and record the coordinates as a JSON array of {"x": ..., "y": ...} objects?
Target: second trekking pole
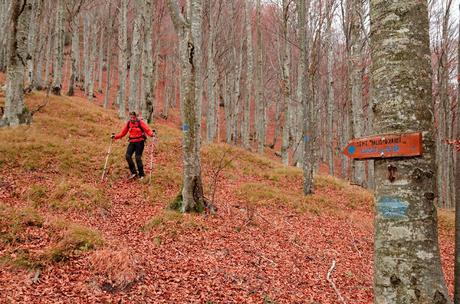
[
  {"x": 107, "y": 159},
  {"x": 151, "y": 155}
]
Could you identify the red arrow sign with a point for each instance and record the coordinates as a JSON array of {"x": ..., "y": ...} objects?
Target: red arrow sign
[{"x": 385, "y": 146}]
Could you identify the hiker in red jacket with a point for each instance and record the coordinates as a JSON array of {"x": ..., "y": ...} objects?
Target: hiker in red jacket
[{"x": 138, "y": 130}]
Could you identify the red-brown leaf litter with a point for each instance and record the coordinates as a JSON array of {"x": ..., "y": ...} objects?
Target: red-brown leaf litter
[{"x": 265, "y": 244}]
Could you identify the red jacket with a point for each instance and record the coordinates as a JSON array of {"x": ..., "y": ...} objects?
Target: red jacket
[{"x": 135, "y": 131}]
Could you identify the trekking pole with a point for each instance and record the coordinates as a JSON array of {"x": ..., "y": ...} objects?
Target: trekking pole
[
  {"x": 107, "y": 159},
  {"x": 151, "y": 155}
]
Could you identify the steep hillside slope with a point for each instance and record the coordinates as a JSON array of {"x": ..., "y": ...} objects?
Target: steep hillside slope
[{"x": 64, "y": 236}]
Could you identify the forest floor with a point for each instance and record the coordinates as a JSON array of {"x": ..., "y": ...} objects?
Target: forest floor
[{"x": 67, "y": 238}]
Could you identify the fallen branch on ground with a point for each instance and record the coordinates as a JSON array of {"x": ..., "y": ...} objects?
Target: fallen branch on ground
[
  {"x": 47, "y": 98},
  {"x": 329, "y": 279}
]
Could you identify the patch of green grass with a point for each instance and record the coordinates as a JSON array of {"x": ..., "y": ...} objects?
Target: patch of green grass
[
  {"x": 77, "y": 195},
  {"x": 167, "y": 216},
  {"x": 171, "y": 221},
  {"x": 279, "y": 173},
  {"x": 261, "y": 194},
  {"x": 446, "y": 220},
  {"x": 37, "y": 194},
  {"x": 13, "y": 222},
  {"x": 329, "y": 182},
  {"x": 359, "y": 198},
  {"x": 22, "y": 259},
  {"x": 75, "y": 239}
]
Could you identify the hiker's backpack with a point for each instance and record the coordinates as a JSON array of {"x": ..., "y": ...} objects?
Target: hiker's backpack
[{"x": 139, "y": 125}]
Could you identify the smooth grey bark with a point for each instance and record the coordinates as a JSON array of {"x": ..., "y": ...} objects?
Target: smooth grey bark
[
  {"x": 168, "y": 101},
  {"x": 457, "y": 188},
  {"x": 237, "y": 75},
  {"x": 211, "y": 115},
  {"x": 48, "y": 57},
  {"x": 101, "y": 58},
  {"x": 18, "y": 28},
  {"x": 188, "y": 29},
  {"x": 260, "y": 103},
  {"x": 134, "y": 67},
  {"x": 288, "y": 107},
  {"x": 147, "y": 107},
  {"x": 122, "y": 58},
  {"x": 355, "y": 74},
  {"x": 32, "y": 41},
  {"x": 4, "y": 7},
  {"x": 307, "y": 107},
  {"x": 370, "y": 131},
  {"x": 246, "y": 126},
  {"x": 86, "y": 52},
  {"x": 407, "y": 266},
  {"x": 75, "y": 55},
  {"x": 444, "y": 119},
  {"x": 330, "y": 89},
  {"x": 58, "y": 49},
  {"x": 298, "y": 122},
  {"x": 286, "y": 84},
  {"x": 228, "y": 106},
  {"x": 92, "y": 62},
  {"x": 109, "y": 57}
]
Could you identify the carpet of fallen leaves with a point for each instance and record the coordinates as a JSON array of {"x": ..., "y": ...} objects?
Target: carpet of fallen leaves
[{"x": 268, "y": 253}]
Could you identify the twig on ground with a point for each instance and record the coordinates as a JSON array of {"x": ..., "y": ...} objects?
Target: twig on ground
[
  {"x": 329, "y": 279},
  {"x": 354, "y": 240},
  {"x": 47, "y": 97},
  {"x": 36, "y": 277}
]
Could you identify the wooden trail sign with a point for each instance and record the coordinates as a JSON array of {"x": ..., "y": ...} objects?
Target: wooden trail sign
[{"x": 385, "y": 146}]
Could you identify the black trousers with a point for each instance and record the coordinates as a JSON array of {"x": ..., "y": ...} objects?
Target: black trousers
[{"x": 138, "y": 148}]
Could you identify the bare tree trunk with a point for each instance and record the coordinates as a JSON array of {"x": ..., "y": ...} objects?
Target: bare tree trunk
[
  {"x": 407, "y": 261},
  {"x": 48, "y": 58},
  {"x": 18, "y": 28},
  {"x": 109, "y": 57},
  {"x": 286, "y": 85},
  {"x": 147, "y": 108},
  {"x": 370, "y": 129},
  {"x": 134, "y": 69},
  {"x": 75, "y": 55},
  {"x": 355, "y": 12},
  {"x": 122, "y": 58},
  {"x": 457, "y": 189},
  {"x": 249, "y": 76},
  {"x": 189, "y": 32},
  {"x": 92, "y": 67},
  {"x": 4, "y": 6},
  {"x": 101, "y": 58},
  {"x": 32, "y": 43},
  {"x": 260, "y": 108},
  {"x": 86, "y": 51},
  {"x": 168, "y": 101},
  {"x": 58, "y": 49},
  {"x": 211, "y": 70},
  {"x": 308, "y": 158},
  {"x": 330, "y": 89}
]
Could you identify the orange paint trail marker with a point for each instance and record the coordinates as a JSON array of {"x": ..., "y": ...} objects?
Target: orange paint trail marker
[{"x": 385, "y": 146}]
